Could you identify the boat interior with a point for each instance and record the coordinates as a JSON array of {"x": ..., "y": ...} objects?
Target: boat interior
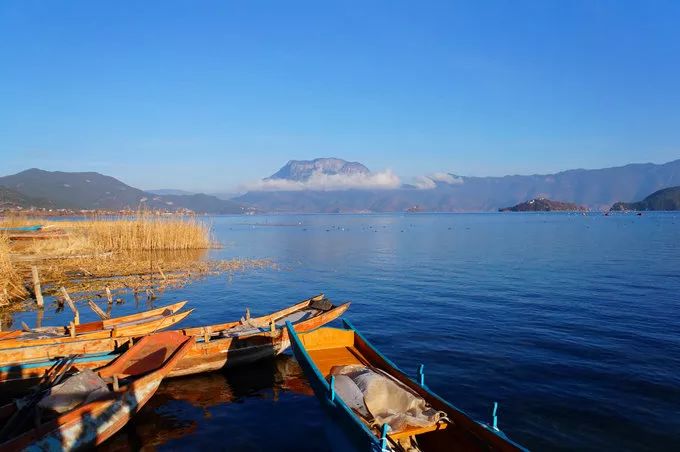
[{"x": 329, "y": 348}]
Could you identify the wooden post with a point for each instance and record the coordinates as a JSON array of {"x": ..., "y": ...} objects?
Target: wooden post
[
  {"x": 97, "y": 310},
  {"x": 247, "y": 313},
  {"x": 108, "y": 295},
  {"x": 273, "y": 326},
  {"x": 160, "y": 270},
  {"x": 76, "y": 315},
  {"x": 39, "y": 318},
  {"x": 36, "y": 286}
]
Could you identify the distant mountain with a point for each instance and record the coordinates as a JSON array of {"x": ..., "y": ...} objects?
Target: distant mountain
[
  {"x": 92, "y": 190},
  {"x": 543, "y": 205},
  {"x": 226, "y": 195},
  {"x": 302, "y": 170},
  {"x": 666, "y": 199},
  {"x": 170, "y": 191},
  {"x": 11, "y": 199},
  {"x": 596, "y": 189}
]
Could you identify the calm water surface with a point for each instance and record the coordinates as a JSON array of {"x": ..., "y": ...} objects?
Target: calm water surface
[{"x": 570, "y": 322}]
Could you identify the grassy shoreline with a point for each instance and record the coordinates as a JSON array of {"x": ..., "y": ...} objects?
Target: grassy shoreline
[{"x": 143, "y": 253}]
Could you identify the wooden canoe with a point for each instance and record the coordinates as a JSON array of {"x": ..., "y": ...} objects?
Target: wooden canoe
[
  {"x": 133, "y": 325},
  {"x": 139, "y": 372},
  {"x": 320, "y": 350},
  {"x": 229, "y": 345},
  {"x": 216, "y": 347},
  {"x": 35, "y": 227}
]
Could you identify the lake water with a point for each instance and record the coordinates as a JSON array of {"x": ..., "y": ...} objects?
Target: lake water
[{"x": 570, "y": 322}]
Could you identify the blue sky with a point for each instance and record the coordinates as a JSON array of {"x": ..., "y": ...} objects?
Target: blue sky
[{"x": 211, "y": 95}]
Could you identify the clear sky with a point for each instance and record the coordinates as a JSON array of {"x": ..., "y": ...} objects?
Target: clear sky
[{"x": 208, "y": 95}]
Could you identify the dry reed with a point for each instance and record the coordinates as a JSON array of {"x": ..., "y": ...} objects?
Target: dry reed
[
  {"x": 122, "y": 253},
  {"x": 11, "y": 282}
]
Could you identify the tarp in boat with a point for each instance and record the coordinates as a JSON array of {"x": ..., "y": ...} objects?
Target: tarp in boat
[{"x": 380, "y": 399}]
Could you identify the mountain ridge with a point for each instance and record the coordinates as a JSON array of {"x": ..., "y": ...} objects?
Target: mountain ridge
[
  {"x": 94, "y": 191},
  {"x": 302, "y": 170},
  {"x": 596, "y": 189}
]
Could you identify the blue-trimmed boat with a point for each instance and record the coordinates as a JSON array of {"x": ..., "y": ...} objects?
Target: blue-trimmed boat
[
  {"x": 325, "y": 350},
  {"x": 34, "y": 228}
]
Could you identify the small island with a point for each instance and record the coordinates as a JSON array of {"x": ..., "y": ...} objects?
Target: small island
[
  {"x": 544, "y": 205},
  {"x": 665, "y": 199}
]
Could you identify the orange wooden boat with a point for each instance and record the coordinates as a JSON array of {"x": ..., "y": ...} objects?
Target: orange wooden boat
[
  {"x": 122, "y": 388},
  {"x": 237, "y": 343},
  {"x": 216, "y": 347},
  {"x": 133, "y": 325},
  {"x": 365, "y": 394},
  {"x": 10, "y": 334}
]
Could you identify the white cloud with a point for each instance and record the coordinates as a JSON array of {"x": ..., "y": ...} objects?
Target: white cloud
[
  {"x": 325, "y": 182},
  {"x": 430, "y": 181},
  {"x": 424, "y": 183}
]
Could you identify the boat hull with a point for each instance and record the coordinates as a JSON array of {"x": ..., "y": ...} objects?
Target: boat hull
[
  {"x": 215, "y": 354},
  {"x": 127, "y": 326},
  {"x": 93, "y": 423}
]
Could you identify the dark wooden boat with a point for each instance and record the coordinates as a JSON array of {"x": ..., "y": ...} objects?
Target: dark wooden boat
[
  {"x": 325, "y": 353},
  {"x": 104, "y": 402},
  {"x": 216, "y": 347},
  {"x": 133, "y": 325}
]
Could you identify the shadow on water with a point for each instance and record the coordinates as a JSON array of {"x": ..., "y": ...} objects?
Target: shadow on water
[{"x": 252, "y": 407}]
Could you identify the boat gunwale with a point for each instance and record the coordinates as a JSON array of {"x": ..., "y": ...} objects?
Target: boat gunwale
[
  {"x": 173, "y": 308},
  {"x": 7, "y": 345},
  {"x": 260, "y": 321}
]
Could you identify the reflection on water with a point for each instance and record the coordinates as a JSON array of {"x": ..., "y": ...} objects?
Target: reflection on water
[{"x": 181, "y": 405}]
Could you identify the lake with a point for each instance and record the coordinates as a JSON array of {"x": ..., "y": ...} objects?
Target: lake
[{"x": 571, "y": 323}]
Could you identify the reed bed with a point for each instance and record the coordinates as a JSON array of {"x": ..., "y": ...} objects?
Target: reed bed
[
  {"x": 147, "y": 232},
  {"x": 141, "y": 253},
  {"x": 11, "y": 282}
]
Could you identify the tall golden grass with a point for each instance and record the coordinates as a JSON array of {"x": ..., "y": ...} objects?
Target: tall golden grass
[
  {"x": 11, "y": 282},
  {"x": 140, "y": 253},
  {"x": 147, "y": 232}
]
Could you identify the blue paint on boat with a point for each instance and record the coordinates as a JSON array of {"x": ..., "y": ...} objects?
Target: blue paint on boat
[
  {"x": 33, "y": 228},
  {"x": 50, "y": 362}
]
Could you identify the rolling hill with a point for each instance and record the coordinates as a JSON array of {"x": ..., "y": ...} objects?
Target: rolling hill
[
  {"x": 666, "y": 199},
  {"x": 91, "y": 190}
]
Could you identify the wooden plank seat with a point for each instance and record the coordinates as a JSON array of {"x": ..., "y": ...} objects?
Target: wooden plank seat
[{"x": 405, "y": 433}]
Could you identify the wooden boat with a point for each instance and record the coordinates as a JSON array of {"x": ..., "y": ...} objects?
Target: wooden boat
[
  {"x": 34, "y": 228},
  {"x": 104, "y": 406},
  {"x": 323, "y": 355},
  {"x": 216, "y": 347},
  {"x": 38, "y": 235},
  {"x": 237, "y": 343},
  {"x": 132, "y": 325}
]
